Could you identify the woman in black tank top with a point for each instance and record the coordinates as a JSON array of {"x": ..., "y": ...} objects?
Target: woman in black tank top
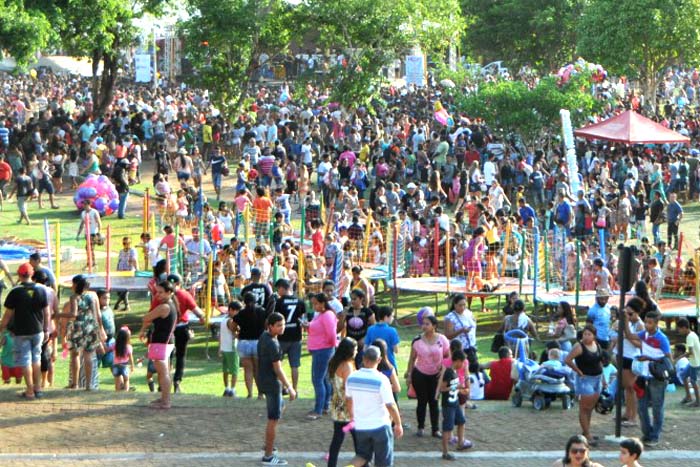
[
  {"x": 163, "y": 317},
  {"x": 585, "y": 359}
]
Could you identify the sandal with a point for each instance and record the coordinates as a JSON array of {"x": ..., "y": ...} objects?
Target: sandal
[
  {"x": 25, "y": 396},
  {"x": 448, "y": 456},
  {"x": 685, "y": 400},
  {"x": 160, "y": 406},
  {"x": 466, "y": 444},
  {"x": 312, "y": 416}
]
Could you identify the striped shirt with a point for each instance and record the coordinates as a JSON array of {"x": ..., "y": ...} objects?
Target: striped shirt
[{"x": 370, "y": 392}]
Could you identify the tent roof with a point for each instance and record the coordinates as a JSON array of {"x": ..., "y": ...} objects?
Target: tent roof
[{"x": 631, "y": 128}]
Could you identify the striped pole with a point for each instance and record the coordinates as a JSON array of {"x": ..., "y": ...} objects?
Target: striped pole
[{"x": 108, "y": 247}]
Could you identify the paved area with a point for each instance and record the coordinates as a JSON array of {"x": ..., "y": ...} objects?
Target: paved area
[{"x": 302, "y": 459}]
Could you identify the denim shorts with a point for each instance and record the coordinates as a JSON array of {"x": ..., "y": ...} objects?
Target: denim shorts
[
  {"x": 27, "y": 349},
  {"x": 691, "y": 372},
  {"x": 378, "y": 442},
  {"x": 451, "y": 416},
  {"x": 293, "y": 350},
  {"x": 589, "y": 385},
  {"x": 247, "y": 348},
  {"x": 273, "y": 399},
  {"x": 120, "y": 369}
]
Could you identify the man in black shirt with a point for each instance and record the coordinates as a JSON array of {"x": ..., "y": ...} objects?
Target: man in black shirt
[
  {"x": 27, "y": 317},
  {"x": 271, "y": 381},
  {"x": 294, "y": 310},
  {"x": 656, "y": 216},
  {"x": 260, "y": 290}
]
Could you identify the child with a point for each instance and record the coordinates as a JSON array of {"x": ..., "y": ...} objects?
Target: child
[
  {"x": 680, "y": 362},
  {"x": 588, "y": 276},
  {"x": 630, "y": 451},
  {"x": 227, "y": 348},
  {"x": 123, "y": 360},
  {"x": 603, "y": 278},
  {"x": 107, "y": 316},
  {"x": 221, "y": 294},
  {"x": 452, "y": 413},
  {"x": 690, "y": 376},
  {"x": 316, "y": 238},
  {"x": 609, "y": 374},
  {"x": 477, "y": 382},
  {"x": 553, "y": 360},
  {"x": 8, "y": 361}
]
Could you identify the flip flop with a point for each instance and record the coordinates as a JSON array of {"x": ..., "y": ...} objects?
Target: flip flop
[
  {"x": 23, "y": 395},
  {"x": 160, "y": 407}
]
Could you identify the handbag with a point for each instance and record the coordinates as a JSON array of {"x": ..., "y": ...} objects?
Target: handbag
[
  {"x": 158, "y": 351},
  {"x": 497, "y": 342},
  {"x": 411, "y": 392},
  {"x": 662, "y": 370}
]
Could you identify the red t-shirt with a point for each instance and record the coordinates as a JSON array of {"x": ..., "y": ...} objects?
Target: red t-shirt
[
  {"x": 185, "y": 303},
  {"x": 500, "y": 386},
  {"x": 5, "y": 171},
  {"x": 317, "y": 242}
]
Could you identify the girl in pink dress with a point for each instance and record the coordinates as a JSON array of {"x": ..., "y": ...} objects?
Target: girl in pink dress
[{"x": 472, "y": 257}]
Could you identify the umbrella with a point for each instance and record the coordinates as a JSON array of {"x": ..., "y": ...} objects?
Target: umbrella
[{"x": 447, "y": 83}]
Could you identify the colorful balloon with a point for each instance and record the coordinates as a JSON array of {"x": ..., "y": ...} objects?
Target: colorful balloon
[{"x": 100, "y": 191}]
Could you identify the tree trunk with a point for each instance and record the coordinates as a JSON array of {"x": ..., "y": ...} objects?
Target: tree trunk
[
  {"x": 103, "y": 98},
  {"x": 649, "y": 88}
]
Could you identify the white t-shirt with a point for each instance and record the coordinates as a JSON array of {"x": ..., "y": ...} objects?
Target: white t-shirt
[
  {"x": 477, "y": 383},
  {"x": 227, "y": 340},
  {"x": 93, "y": 220},
  {"x": 489, "y": 172},
  {"x": 370, "y": 392}
]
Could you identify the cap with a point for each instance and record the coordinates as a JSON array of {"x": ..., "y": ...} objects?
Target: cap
[
  {"x": 182, "y": 151},
  {"x": 411, "y": 186},
  {"x": 602, "y": 293},
  {"x": 255, "y": 272},
  {"x": 25, "y": 270}
]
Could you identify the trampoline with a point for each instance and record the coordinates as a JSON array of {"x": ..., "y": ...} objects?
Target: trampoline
[
  {"x": 118, "y": 282},
  {"x": 436, "y": 285},
  {"x": 669, "y": 307}
]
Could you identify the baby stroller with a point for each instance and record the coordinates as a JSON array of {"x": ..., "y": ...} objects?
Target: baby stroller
[{"x": 540, "y": 385}]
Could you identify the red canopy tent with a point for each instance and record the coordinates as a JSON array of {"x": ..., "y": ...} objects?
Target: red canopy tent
[{"x": 631, "y": 128}]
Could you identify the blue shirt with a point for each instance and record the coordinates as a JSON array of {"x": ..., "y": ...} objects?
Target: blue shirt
[
  {"x": 388, "y": 334},
  {"x": 673, "y": 211},
  {"x": 600, "y": 316},
  {"x": 526, "y": 213},
  {"x": 658, "y": 340}
]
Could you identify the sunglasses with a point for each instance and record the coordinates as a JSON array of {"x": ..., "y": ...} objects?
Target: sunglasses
[{"x": 578, "y": 450}]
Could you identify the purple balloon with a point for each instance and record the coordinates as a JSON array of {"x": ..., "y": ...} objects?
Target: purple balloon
[
  {"x": 102, "y": 179},
  {"x": 422, "y": 313},
  {"x": 114, "y": 204},
  {"x": 89, "y": 192},
  {"x": 100, "y": 204}
]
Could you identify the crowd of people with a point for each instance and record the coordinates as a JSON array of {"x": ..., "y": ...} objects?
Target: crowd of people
[{"x": 454, "y": 194}]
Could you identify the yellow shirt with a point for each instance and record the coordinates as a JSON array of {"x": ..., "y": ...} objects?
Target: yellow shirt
[{"x": 206, "y": 134}]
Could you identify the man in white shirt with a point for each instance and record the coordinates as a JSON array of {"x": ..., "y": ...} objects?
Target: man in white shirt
[
  {"x": 489, "y": 171},
  {"x": 372, "y": 409}
]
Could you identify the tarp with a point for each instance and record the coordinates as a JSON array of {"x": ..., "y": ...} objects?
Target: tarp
[
  {"x": 631, "y": 128},
  {"x": 58, "y": 64}
]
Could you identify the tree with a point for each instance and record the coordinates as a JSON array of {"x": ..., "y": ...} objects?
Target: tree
[
  {"x": 641, "y": 38},
  {"x": 23, "y": 32},
  {"x": 510, "y": 106},
  {"x": 224, "y": 38},
  {"x": 541, "y": 33},
  {"x": 99, "y": 29},
  {"x": 372, "y": 33}
]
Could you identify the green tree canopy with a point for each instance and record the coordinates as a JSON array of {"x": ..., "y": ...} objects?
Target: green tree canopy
[
  {"x": 510, "y": 106},
  {"x": 224, "y": 39},
  {"x": 539, "y": 32},
  {"x": 641, "y": 38},
  {"x": 373, "y": 33},
  {"x": 24, "y": 30}
]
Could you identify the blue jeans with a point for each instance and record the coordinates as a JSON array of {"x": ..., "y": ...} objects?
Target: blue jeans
[
  {"x": 656, "y": 231},
  {"x": 653, "y": 398},
  {"x": 122, "y": 204},
  {"x": 319, "y": 378}
]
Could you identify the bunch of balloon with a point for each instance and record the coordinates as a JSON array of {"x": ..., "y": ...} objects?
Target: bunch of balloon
[{"x": 100, "y": 191}]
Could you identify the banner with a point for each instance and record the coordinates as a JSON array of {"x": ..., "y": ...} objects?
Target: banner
[
  {"x": 414, "y": 70},
  {"x": 142, "y": 65}
]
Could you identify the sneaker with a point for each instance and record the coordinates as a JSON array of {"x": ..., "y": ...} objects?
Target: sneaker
[
  {"x": 176, "y": 388},
  {"x": 151, "y": 386},
  {"x": 448, "y": 456},
  {"x": 227, "y": 393},
  {"x": 651, "y": 443},
  {"x": 273, "y": 460}
]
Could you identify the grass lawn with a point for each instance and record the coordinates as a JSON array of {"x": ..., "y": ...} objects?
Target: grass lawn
[{"x": 203, "y": 376}]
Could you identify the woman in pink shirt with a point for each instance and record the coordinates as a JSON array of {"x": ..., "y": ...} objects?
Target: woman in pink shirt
[
  {"x": 321, "y": 341},
  {"x": 427, "y": 353}
]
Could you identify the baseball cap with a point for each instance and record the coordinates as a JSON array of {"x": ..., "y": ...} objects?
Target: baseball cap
[
  {"x": 411, "y": 186},
  {"x": 25, "y": 270}
]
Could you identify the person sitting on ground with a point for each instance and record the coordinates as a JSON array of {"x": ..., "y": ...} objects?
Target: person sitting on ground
[
  {"x": 501, "y": 383},
  {"x": 576, "y": 454}
]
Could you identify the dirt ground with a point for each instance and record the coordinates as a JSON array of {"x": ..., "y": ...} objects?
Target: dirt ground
[{"x": 75, "y": 421}]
